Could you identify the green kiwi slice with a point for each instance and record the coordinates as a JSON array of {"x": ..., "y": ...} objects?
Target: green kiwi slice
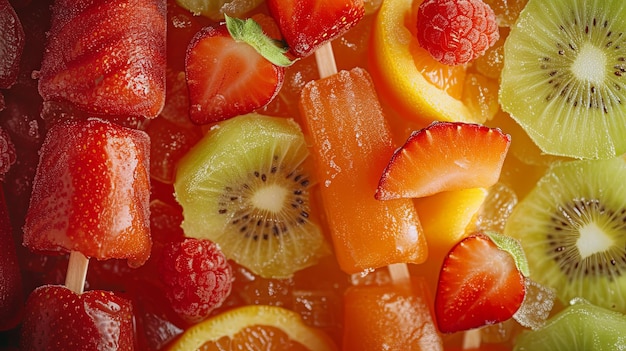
[
  {"x": 572, "y": 226},
  {"x": 579, "y": 327},
  {"x": 564, "y": 76},
  {"x": 245, "y": 186}
]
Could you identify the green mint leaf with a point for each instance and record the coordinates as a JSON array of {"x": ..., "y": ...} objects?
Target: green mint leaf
[{"x": 250, "y": 32}]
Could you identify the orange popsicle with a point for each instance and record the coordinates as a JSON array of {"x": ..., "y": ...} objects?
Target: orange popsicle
[
  {"x": 390, "y": 317},
  {"x": 352, "y": 144}
]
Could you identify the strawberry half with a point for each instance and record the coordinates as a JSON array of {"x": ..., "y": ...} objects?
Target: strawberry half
[
  {"x": 91, "y": 192},
  {"x": 442, "y": 157},
  {"x": 482, "y": 282},
  {"x": 308, "y": 24},
  {"x": 56, "y": 318},
  {"x": 229, "y": 74},
  {"x": 107, "y": 57}
]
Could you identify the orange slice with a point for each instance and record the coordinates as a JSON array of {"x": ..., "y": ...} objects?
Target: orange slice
[
  {"x": 254, "y": 327},
  {"x": 406, "y": 76},
  {"x": 446, "y": 217}
]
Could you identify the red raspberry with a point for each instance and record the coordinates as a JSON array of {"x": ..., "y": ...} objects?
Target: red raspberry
[
  {"x": 456, "y": 31},
  {"x": 197, "y": 277}
]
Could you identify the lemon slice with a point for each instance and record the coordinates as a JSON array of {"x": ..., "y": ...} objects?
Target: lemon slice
[
  {"x": 254, "y": 327},
  {"x": 414, "y": 84}
]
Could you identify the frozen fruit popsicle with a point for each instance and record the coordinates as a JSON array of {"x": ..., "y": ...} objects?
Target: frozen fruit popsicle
[
  {"x": 352, "y": 144},
  {"x": 91, "y": 192},
  {"x": 395, "y": 316},
  {"x": 106, "y": 57},
  {"x": 56, "y": 318}
]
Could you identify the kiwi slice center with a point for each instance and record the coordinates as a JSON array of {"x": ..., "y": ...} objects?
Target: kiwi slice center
[
  {"x": 587, "y": 233},
  {"x": 589, "y": 65},
  {"x": 592, "y": 240},
  {"x": 270, "y": 198}
]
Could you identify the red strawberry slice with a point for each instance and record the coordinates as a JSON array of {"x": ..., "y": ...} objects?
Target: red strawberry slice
[
  {"x": 481, "y": 282},
  {"x": 56, "y": 318},
  {"x": 11, "y": 44},
  {"x": 308, "y": 24},
  {"x": 107, "y": 57},
  {"x": 227, "y": 77},
  {"x": 444, "y": 156},
  {"x": 91, "y": 192}
]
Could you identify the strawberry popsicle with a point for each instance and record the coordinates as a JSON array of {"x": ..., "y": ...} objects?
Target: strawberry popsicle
[
  {"x": 58, "y": 319},
  {"x": 106, "y": 57},
  {"x": 91, "y": 192},
  {"x": 352, "y": 144}
]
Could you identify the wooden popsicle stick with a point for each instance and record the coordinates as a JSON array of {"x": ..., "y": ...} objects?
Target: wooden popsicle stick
[
  {"x": 399, "y": 272},
  {"x": 471, "y": 339},
  {"x": 325, "y": 59},
  {"x": 76, "y": 272}
]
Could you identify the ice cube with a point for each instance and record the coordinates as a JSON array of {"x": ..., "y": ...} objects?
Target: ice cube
[
  {"x": 537, "y": 305},
  {"x": 496, "y": 209}
]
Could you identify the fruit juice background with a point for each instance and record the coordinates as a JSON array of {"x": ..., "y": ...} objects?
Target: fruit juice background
[{"x": 317, "y": 292}]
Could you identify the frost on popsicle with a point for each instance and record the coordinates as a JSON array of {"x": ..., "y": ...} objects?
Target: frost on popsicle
[
  {"x": 106, "y": 59},
  {"x": 91, "y": 193}
]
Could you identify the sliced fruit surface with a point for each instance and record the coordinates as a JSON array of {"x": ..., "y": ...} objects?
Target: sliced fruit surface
[
  {"x": 351, "y": 145},
  {"x": 307, "y": 24},
  {"x": 255, "y": 327},
  {"x": 415, "y": 84},
  {"x": 245, "y": 186},
  {"x": 447, "y": 218},
  {"x": 395, "y": 316},
  {"x": 481, "y": 283},
  {"x": 563, "y": 77},
  {"x": 444, "y": 156},
  {"x": 226, "y": 77},
  {"x": 580, "y": 326},
  {"x": 571, "y": 226}
]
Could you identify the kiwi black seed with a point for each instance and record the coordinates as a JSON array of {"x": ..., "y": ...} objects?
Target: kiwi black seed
[
  {"x": 237, "y": 204},
  {"x": 246, "y": 186},
  {"x": 572, "y": 226},
  {"x": 564, "y": 76}
]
